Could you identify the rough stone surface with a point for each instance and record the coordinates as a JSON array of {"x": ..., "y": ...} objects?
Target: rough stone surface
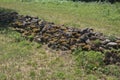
[
  {"x": 63, "y": 38},
  {"x": 7, "y": 17},
  {"x": 112, "y": 44}
]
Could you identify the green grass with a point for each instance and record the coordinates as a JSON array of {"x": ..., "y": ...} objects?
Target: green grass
[
  {"x": 102, "y": 17},
  {"x": 21, "y": 59},
  {"x": 24, "y": 60}
]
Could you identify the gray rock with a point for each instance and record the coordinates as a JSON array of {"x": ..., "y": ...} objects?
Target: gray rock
[
  {"x": 105, "y": 41},
  {"x": 118, "y": 38},
  {"x": 112, "y": 44},
  {"x": 34, "y": 20},
  {"x": 88, "y": 41},
  {"x": 84, "y": 38}
]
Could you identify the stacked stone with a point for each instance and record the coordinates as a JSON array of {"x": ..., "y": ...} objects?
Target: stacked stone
[
  {"x": 7, "y": 17},
  {"x": 68, "y": 38},
  {"x": 26, "y": 25},
  {"x": 112, "y": 57},
  {"x": 64, "y": 38}
]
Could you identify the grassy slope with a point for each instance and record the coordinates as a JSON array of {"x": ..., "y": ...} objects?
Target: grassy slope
[
  {"x": 22, "y": 60},
  {"x": 101, "y": 17}
]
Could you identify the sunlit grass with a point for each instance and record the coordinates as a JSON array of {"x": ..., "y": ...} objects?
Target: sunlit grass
[
  {"x": 24, "y": 60},
  {"x": 102, "y": 17}
]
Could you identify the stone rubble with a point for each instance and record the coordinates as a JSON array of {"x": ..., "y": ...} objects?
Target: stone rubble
[
  {"x": 7, "y": 17},
  {"x": 63, "y": 38}
]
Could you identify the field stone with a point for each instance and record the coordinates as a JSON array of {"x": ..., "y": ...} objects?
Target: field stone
[
  {"x": 60, "y": 37},
  {"x": 105, "y": 41},
  {"x": 88, "y": 41},
  {"x": 117, "y": 41},
  {"x": 111, "y": 44},
  {"x": 48, "y": 31},
  {"x": 86, "y": 47},
  {"x": 112, "y": 57},
  {"x": 7, "y": 17}
]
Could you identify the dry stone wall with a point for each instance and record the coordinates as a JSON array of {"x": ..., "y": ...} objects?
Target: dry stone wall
[{"x": 64, "y": 38}]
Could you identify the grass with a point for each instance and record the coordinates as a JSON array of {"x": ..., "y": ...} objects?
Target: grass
[
  {"x": 24, "y": 60},
  {"x": 101, "y": 17},
  {"x": 21, "y": 59}
]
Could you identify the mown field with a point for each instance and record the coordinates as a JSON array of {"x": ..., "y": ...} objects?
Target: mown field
[{"x": 24, "y": 60}]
